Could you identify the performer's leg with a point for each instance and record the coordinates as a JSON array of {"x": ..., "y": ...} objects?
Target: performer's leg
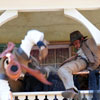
[{"x": 66, "y": 74}]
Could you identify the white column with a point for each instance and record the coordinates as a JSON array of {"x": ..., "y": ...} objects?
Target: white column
[{"x": 73, "y": 13}]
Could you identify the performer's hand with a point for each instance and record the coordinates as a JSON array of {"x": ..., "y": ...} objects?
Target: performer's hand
[{"x": 43, "y": 53}]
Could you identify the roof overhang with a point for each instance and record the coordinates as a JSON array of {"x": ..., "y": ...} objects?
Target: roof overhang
[{"x": 48, "y": 5}]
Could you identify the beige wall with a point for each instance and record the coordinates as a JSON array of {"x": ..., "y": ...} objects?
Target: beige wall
[{"x": 53, "y": 23}]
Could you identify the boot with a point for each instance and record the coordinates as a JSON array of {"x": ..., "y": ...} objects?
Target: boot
[{"x": 70, "y": 93}]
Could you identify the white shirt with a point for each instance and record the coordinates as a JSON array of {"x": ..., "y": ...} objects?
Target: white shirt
[
  {"x": 81, "y": 53},
  {"x": 32, "y": 37}
]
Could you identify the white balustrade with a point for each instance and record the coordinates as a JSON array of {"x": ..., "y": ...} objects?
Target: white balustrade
[{"x": 54, "y": 95}]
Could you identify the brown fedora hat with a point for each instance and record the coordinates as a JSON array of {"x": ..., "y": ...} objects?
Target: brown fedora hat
[{"x": 76, "y": 35}]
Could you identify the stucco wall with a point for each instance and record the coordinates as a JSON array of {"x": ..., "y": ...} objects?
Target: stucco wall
[{"x": 54, "y": 24}]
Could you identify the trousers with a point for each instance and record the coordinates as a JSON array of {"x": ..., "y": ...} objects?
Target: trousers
[{"x": 66, "y": 71}]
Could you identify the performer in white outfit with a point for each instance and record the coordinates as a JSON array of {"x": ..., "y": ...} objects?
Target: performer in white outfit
[
  {"x": 33, "y": 37},
  {"x": 19, "y": 55}
]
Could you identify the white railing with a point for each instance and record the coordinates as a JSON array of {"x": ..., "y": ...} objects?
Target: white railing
[{"x": 49, "y": 95}]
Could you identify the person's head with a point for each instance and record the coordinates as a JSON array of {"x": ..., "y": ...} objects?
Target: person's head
[{"x": 76, "y": 39}]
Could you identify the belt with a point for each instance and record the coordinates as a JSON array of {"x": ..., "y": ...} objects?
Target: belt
[
  {"x": 3, "y": 77},
  {"x": 84, "y": 60}
]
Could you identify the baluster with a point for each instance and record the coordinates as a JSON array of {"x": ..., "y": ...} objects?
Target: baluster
[
  {"x": 59, "y": 96},
  {"x": 15, "y": 98},
  {"x": 36, "y": 98},
  {"x": 55, "y": 98},
  {"x": 31, "y": 97},
  {"x": 84, "y": 97},
  {"x": 50, "y": 96},
  {"x": 21, "y": 97},
  {"x": 46, "y": 98},
  {"x": 41, "y": 97},
  {"x": 26, "y": 98}
]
